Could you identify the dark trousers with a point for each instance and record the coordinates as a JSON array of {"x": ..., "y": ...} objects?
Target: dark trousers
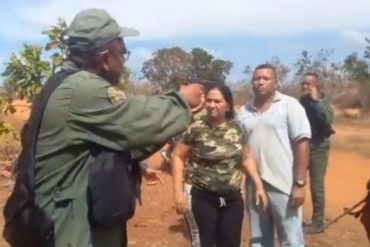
[
  {"x": 110, "y": 236},
  {"x": 219, "y": 219},
  {"x": 318, "y": 164}
]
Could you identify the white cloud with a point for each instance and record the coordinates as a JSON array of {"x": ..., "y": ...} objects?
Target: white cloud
[
  {"x": 355, "y": 39},
  {"x": 169, "y": 19}
]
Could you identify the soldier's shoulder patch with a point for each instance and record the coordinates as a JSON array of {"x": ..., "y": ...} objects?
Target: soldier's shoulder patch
[{"x": 115, "y": 95}]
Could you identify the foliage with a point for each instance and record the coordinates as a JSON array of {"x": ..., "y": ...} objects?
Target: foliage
[
  {"x": 55, "y": 34},
  {"x": 6, "y": 129},
  {"x": 26, "y": 71},
  {"x": 367, "y": 49},
  {"x": 206, "y": 67},
  {"x": 169, "y": 67},
  {"x": 320, "y": 64},
  {"x": 282, "y": 70},
  {"x": 356, "y": 68}
]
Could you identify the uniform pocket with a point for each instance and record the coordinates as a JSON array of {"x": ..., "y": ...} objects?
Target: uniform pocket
[{"x": 65, "y": 192}]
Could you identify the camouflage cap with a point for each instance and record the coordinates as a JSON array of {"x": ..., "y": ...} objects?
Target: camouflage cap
[{"x": 93, "y": 28}]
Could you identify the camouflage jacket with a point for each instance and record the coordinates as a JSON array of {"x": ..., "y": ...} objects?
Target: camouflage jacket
[
  {"x": 199, "y": 115},
  {"x": 214, "y": 162}
]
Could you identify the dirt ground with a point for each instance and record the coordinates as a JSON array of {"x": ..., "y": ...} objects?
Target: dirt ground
[{"x": 157, "y": 225}]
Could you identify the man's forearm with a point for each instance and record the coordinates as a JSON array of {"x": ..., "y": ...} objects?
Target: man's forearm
[{"x": 301, "y": 158}]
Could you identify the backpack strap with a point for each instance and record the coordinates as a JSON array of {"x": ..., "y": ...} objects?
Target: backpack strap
[
  {"x": 26, "y": 224},
  {"x": 30, "y": 131}
]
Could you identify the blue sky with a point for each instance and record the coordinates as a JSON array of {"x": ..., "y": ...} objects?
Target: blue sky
[{"x": 242, "y": 31}]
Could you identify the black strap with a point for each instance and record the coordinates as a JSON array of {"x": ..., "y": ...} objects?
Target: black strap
[
  {"x": 26, "y": 161},
  {"x": 26, "y": 224}
]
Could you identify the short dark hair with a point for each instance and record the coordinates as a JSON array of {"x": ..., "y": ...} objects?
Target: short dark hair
[
  {"x": 311, "y": 74},
  {"x": 207, "y": 84},
  {"x": 228, "y": 96},
  {"x": 319, "y": 83},
  {"x": 267, "y": 66}
]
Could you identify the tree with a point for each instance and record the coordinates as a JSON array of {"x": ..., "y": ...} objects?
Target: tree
[
  {"x": 303, "y": 64},
  {"x": 320, "y": 64},
  {"x": 355, "y": 68},
  {"x": 247, "y": 70},
  {"x": 168, "y": 68},
  {"x": 358, "y": 70},
  {"x": 6, "y": 96},
  {"x": 282, "y": 70},
  {"x": 206, "y": 67},
  {"x": 201, "y": 61},
  {"x": 26, "y": 71},
  {"x": 219, "y": 70},
  {"x": 24, "y": 74},
  {"x": 309, "y": 63},
  {"x": 367, "y": 49},
  {"x": 55, "y": 34}
]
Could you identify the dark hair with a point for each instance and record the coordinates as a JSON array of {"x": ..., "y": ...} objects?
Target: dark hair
[
  {"x": 319, "y": 84},
  {"x": 207, "y": 84},
  {"x": 228, "y": 96},
  {"x": 311, "y": 74},
  {"x": 266, "y": 66}
]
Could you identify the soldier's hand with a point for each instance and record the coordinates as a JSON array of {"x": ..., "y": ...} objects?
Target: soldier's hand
[
  {"x": 192, "y": 93},
  {"x": 297, "y": 196}
]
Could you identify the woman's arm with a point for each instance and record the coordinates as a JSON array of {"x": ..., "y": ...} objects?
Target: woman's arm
[{"x": 178, "y": 159}]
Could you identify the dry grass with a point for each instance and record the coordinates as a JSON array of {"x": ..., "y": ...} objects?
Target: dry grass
[
  {"x": 355, "y": 144},
  {"x": 353, "y": 135}
]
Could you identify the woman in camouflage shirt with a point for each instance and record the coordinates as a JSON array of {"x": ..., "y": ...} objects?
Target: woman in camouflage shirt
[{"x": 216, "y": 155}]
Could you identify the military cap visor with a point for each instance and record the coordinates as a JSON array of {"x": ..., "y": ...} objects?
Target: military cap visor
[{"x": 93, "y": 28}]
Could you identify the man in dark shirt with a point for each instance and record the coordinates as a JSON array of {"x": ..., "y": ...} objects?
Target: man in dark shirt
[{"x": 320, "y": 116}]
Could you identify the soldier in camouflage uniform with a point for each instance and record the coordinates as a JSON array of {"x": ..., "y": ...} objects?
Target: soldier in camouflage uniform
[
  {"x": 216, "y": 155},
  {"x": 320, "y": 116}
]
